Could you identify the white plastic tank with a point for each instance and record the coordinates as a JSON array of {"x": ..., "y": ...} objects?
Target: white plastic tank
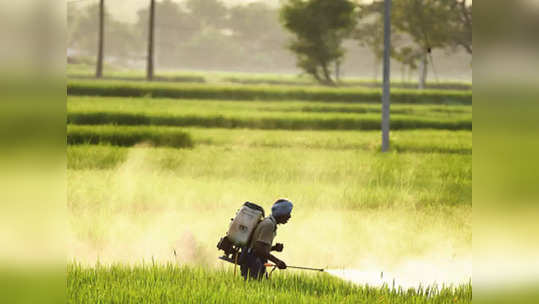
[{"x": 243, "y": 225}]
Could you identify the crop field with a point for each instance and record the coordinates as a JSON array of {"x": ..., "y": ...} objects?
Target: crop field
[
  {"x": 168, "y": 283},
  {"x": 153, "y": 182},
  {"x": 261, "y": 115},
  {"x": 262, "y": 92},
  {"x": 87, "y": 71}
]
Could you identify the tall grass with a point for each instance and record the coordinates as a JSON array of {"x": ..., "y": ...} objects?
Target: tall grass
[
  {"x": 353, "y": 179},
  {"x": 229, "y": 92},
  {"x": 288, "y": 122},
  {"x": 87, "y": 70},
  {"x": 261, "y": 115},
  {"x": 172, "y": 284},
  {"x": 414, "y": 141},
  {"x": 122, "y": 136}
]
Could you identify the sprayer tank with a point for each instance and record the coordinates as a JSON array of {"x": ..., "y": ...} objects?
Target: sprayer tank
[{"x": 243, "y": 225}]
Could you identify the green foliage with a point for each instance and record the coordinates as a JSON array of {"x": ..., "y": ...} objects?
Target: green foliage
[
  {"x": 261, "y": 115},
  {"x": 173, "y": 284},
  {"x": 120, "y": 37},
  {"x": 289, "y": 122},
  {"x": 417, "y": 27},
  {"x": 424, "y": 21},
  {"x": 461, "y": 23},
  {"x": 222, "y": 92},
  {"x": 417, "y": 141},
  {"x": 319, "y": 26},
  {"x": 82, "y": 67},
  {"x": 125, "y": 136},
  {"x": 207, "y": 12}
]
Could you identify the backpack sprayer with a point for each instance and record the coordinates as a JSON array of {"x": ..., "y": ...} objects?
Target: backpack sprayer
[
  {"x": 239, "y": 235},
  {"x": 239, "y": 232}
]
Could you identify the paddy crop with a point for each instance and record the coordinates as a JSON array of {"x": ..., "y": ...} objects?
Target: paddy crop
[
  {"x": 173, "y": 284},
  {"x": 260, "y": 115},
  {"x": 119, "y": 136},
  {"x": 83, "y": 71},
  {"x": 417, "y": 141},
  {"x": 355, "y": 207},
  {"x": 259, "y": 92}
]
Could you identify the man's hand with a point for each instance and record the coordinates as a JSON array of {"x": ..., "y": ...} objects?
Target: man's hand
[
  {"x": 280, "y": 264},
  {"x": 278, "y": 247}
]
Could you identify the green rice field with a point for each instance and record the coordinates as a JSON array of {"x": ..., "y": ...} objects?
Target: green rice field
[
  {"x": 168, "y": 283},
  {"x": 153, "y": 183}
]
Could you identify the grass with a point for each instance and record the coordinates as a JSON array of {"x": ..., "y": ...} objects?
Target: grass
[
  {"x": 260, "y": 115},
  {"x": 354, "y": 207},
  {"x": 119, "y": 136},
  {"x": 85, "y": 71},
  {"x": 172, "y": 284},
  {"x": 242, "y": 92},
  {"x": 355, "y": 179},
  {"x": 410, "y": 141}
]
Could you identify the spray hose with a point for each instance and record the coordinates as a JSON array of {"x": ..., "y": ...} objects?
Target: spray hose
[{"x": 295, "y": 267}]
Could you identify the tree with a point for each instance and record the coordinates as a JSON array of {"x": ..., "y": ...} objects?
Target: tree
[
  {"x": 119, "y": 37},
  {"x": 461, "y": 24},
  {"x": 319, "y": 26},
  {"x": 425, "y": 22},
  {"x": 370, "y": 31},
  {"x": 172, "y": 29},
  {"x": 208, "y": 12},
  {"x": 256, "y": 31},
  {"x": 408, "y": 57}
]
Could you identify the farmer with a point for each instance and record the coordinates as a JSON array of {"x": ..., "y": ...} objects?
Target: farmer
[{"x": 254, "y": 257}]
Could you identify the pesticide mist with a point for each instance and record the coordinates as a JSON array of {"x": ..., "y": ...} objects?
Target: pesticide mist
[{"x": 164, "y": 205}]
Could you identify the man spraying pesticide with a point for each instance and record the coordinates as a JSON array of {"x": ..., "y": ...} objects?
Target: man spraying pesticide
[{"x": 250, "y": 238}]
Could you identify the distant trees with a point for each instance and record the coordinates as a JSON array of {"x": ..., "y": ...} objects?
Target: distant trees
[
  {"x": 370, "y": 31},
  {"x": 207, "y": 12},
  {"x": 461, "y": 24},
  {"x": 420, "y": 26},
  {"x": 257, "y": 37},
  {"x": 208, "y": 33},
  {"x": 319, "y": 27},
  {"x": 120, "y": 39}
]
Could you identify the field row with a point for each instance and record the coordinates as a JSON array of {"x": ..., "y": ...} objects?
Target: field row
[
  {"x": 288, "y": 122},
  {"x": 215, "y": 107},
  {"x": 418, "y": 141},
  {"x": 118, "y": 136},
  {"x": 167, "y": 284},
  {"x": 356, "y": 179},
  {"x": 260, "y": 115},
  {"x": 82, "y": 71},
  {"x": 254, "y": 92}
]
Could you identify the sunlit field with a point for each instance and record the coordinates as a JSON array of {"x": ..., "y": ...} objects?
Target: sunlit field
[
  {"x": 86, "y": 71},
  {"x": 153, "y": 183},
  {"x": 152, "y": 283}
]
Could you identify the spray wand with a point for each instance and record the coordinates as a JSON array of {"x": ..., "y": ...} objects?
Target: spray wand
[{"x": 295, "y": 267}]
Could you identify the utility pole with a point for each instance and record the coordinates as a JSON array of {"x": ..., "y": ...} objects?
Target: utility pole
[
  {"x": 99, "y": 66},
  {"x": 386, "y": 90},
  {"x": 149, "y": 66}
]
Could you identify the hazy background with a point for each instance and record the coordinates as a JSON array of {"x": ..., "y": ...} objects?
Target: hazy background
[{"x": 250, "y": 39}]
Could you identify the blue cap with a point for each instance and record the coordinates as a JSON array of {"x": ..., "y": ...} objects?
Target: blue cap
[{"x": 281, "y": 207}]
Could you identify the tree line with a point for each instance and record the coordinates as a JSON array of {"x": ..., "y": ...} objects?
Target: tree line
[
  {"x": 418, "y": 27},
  {"x": 257, "y": 36}
]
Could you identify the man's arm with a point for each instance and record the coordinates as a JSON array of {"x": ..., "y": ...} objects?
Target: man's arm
[{"x": 262, "y": 250}]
